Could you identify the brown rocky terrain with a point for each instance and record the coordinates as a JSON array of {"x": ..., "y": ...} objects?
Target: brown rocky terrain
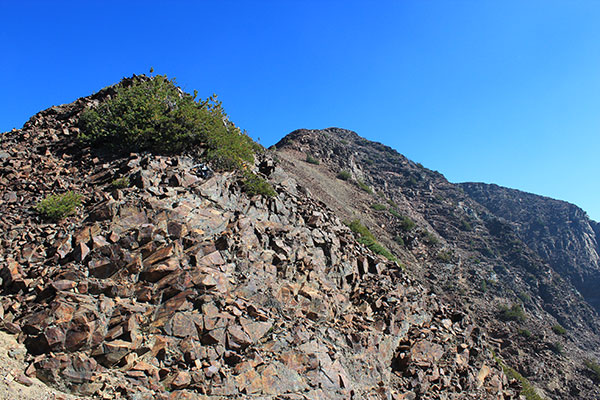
[
  {"x": 467, "y": 254},
  {"x": 181, "y": 286}
]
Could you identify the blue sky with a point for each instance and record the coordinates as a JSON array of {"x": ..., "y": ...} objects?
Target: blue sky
[{"x": 495, "y": 91}]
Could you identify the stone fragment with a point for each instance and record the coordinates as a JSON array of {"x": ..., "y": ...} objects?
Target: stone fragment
[
  {"x": 425, "y": 353},
  {"x": 102, "y": 268},
  {"x": 160, "y": 254},
  {"x": 12, "y": 275},
  {"x": 176, "y": 230},
  {"x": 155, "y": 272},
  {"x": 63, "y": 284},
  {"x": 23, "y": 379},
  {"x": 185, "y": 324},
  {"x": 256, "y": 330},
  {"x": 237, "y": 337},
  {"x": 182, "y": 380},
  {"x": 64, "y": 247},
  {"x": 483, "y": 373}
]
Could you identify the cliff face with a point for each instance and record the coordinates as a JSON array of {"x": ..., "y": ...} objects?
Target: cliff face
[
  {"x": 559, "y": 232},
  {"x": 180, "y": 285},
  {"x": 463, "y": 251}
]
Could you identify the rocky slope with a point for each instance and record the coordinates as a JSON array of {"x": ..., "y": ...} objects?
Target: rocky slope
[
  {"x": 559, "y": 232},
  {"x": 464, "y": 252},
  {"x": 181, "y": 286}
]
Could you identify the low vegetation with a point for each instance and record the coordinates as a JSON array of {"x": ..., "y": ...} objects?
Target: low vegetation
[
  {"x": 528, "y": 390},
  {"x": 344, "y": 175},
  {"x": 367, "y": 239},
  {"x": 525, "y": 333},
  {"x": 465, "y": 226},
  {"x": 445, "y": 256},
  {"x": 255, "y": 185},
  {"x": 430, "y": 238},
  {"x": 594, "y": 368},
  {"x": 392, "y": 203},
  {"x": 559, "y": 330},
  {"x": 512, "y": 313},
  {"x": 378, "y": 207},
  {"x": 311, "y": 160},
  {"x": 58, "y": 206},
  {"x": 525, "y": 297},
  {"x": 406, "y": 223},
  {"x": 154, "y": 114},
  {"x": 395, "y": 212},
  {"x": 120, "y": 183},
  {"x": 361, "y": 184},
  {"x": 398, "y": 239},
  {"x": 557, "y": 348}
]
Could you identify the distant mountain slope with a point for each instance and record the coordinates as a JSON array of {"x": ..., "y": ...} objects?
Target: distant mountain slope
[
  {"x": 462, "y": 251},
  {"x": 557, "y": 231}
]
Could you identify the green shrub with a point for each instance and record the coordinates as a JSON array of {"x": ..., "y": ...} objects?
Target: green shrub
[
  {"x": 344, "y": 175},
  {"x": 153, "y": 114},
  {"x": 392, "y": 204},
  {"x": 407, "y": 224},
  {"x": 484, "y": 286},
  {"x": 559, "y": 330},
  {"x": 378, "y": 207},
  {"x": 594, "y": 367},
  {"x": 367, "y": 239},
  {"x": 56, "y": 207},
  {"x": 394, "y": 212},
  {"x": 311, "y": 160},
  {"x": 120, "y": 183},
  {"x": 399, "y": 240},
  {"x": 364, "y": 186},
  {"x": 557, "y": 348},
  {"x": 465, "y": 225},
  {"x": 445, "y": 256},
  {"x": 525, "y": 333},
  {"x": 525, "y": 298},
  {"x": 430, "y": 238},
  {"x": 514, "y": 313},
  {"x": 528, "y": 389},
  {"x": 255, "y": 185}
]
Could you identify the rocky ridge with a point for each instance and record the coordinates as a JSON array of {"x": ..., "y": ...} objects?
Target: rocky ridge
[
  {"x": 183, "y": 287},
  {"x": 464, "y": 252}
]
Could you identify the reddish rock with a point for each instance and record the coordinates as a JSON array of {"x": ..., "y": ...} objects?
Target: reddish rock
[
  {"x": 160, "y": 254},
  {"x": 176, "y": 230},
  {"x": 181, "y": 380},
  {"x": 155, "y": 272},
  {"x": 237, "y": 337}
]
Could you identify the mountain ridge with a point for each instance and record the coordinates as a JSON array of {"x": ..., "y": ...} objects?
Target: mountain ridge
[
  {"x": 182, "y": 284},
  {"x": 496, "y": 252}
]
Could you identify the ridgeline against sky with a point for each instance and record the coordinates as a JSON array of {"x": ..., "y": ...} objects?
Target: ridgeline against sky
[{"x": 496, "y": 92}]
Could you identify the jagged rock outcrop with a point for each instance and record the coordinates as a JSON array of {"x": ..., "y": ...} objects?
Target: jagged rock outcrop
[
  {"x": 183, "y": 287},
  {"x": 557, "y": 231},
  {"x": 460, "y": 249}
]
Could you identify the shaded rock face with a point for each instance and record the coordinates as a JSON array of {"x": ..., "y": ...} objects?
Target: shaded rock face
[
  {"x": 467, "y": 253},
  {"x": 183, "y": 287},
  {"x": 559, "y": 232}
]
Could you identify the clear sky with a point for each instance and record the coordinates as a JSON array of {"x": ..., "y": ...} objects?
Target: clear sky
[{"x": 495, "y": 91}]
